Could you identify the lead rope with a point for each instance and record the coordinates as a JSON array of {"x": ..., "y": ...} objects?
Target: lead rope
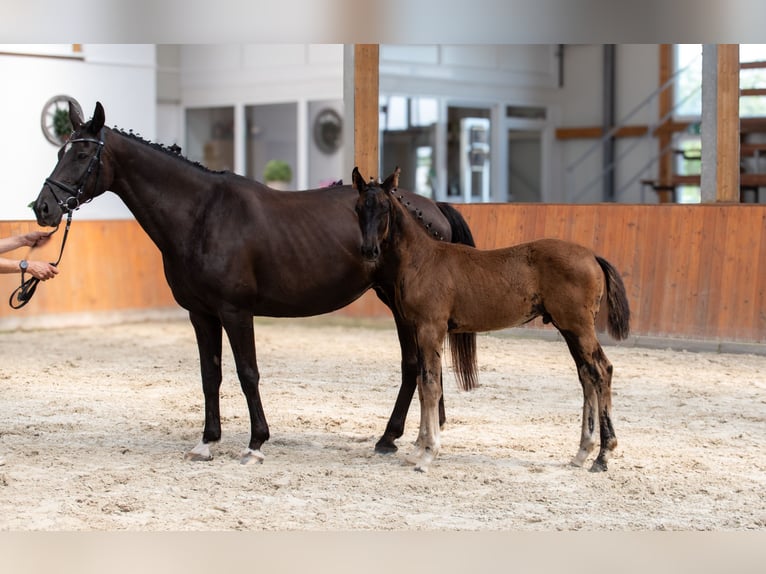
[{"x": 23, "y": 293}]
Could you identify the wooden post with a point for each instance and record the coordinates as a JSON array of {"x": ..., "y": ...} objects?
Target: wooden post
[
  {"x": 727, "y": 184},
  {"x": 665, "y": 137},
  {"x": 720, "y": 123},
  {"x": 366, "y": 108}
]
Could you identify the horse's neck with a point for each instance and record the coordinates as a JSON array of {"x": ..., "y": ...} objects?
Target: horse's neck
[
  {"x": 161, "y": 191},
  {"x": 411, "y": 241}
]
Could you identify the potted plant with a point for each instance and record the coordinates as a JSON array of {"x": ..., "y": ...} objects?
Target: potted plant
[{"x": 278, "y": 174}]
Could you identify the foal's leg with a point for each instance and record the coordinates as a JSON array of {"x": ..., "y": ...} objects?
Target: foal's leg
[
  {"x": 429, "y": 387},
  {"x": 395, "y": 426},
  {"x": 595, "y": 373},
  {"x": 208, "y": 332},
  {"x": 239, "y": 328}
]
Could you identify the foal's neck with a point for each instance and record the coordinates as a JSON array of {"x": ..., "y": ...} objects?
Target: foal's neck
[{"x": 409, "y": 235}]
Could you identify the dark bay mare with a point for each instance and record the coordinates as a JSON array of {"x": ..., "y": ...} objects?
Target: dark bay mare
[
  {"x": 443, "y": 289},
  {"x": 233, "y": 248}
]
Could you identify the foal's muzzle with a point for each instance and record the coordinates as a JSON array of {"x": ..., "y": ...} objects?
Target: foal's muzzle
[{"x": 371, "y": 252}]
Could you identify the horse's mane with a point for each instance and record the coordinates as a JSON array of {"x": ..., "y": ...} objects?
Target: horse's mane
[
  {"x": 172, "y": 150},
  {"x": 417, "y": 214}
]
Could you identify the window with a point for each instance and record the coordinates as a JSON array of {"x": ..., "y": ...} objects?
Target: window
[{"x": 688, "y": 92}]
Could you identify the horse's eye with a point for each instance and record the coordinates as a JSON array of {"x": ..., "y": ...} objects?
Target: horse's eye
[{"x": 82, "y": 155}]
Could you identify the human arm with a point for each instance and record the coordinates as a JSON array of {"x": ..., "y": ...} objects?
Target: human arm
[
  {"x": 39, "y": 269},
  {"x": 31, "y": 239}
]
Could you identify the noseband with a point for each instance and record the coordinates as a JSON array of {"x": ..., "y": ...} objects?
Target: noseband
[{"x": 23, "y": 293}]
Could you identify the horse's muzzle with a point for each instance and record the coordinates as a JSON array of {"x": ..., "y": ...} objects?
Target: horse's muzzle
[
  {"x": 370, "y": 252},
  {"x": 47, "y": 211}
]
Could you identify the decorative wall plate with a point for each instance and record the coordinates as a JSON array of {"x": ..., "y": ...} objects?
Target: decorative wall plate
[
  {"x": 54, "y": 119},
  {"x": 328, "y": 130}
]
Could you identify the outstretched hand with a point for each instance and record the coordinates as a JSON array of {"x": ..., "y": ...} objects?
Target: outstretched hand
[{"x": 36, "y": 238}]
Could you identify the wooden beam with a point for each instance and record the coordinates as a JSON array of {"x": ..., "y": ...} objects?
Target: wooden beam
[
  {"x": 751, "y": 65},
  {"x": 637, "y": 131},
  {"x": 366, "y": 108},
  {"x": 753, "y": 92},
  {"x": 727, "y": 132},
  {"x": 665, "y": 103}
]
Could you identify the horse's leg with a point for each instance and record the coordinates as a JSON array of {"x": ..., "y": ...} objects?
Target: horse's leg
[
  {"x": 239, "y": 329},
  {"x": 595, "y": 373},
  {"x": 208, "y": 332},
  {"x": 395, "y": 426},
  {"x": 429, "y": 391},
  {"x": 604, "y": 392}
]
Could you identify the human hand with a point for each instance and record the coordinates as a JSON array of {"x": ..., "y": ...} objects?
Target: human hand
[
  {"x": 36, "y": 238},
  {"x": 42, "y": 270}
]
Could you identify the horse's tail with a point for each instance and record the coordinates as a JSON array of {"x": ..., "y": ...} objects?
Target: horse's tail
[
  {"x": 461, "y": 233},
  {"x": 618, "y": 318},
  {"x": 462, "y": 345}
]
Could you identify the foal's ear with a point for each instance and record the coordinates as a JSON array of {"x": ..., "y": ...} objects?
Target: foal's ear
[
  {"x": 392, "y": 181},
  {"x": 358, "y": 180},
  {"x": 97, "y": 122}
]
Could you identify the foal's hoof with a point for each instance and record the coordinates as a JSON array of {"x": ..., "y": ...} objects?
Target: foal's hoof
[
  {"x": 251, "y": 456},
  {"x": 598, "y": 466},
  {"x": 197, "y": 457},
  {"x": 385, "y": 446}
]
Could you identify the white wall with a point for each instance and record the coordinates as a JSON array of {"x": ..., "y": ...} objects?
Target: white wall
[
  {"x": 121, "y": 77},
  {"x": 241, "y": 75},
  {"x": 528, "y": 75},
  {"x": 146, "y": 88}
]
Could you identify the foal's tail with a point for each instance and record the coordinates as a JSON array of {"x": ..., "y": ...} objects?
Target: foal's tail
[
  {"x": 462, "y": 345},
  {"x": 618, "y": 319}
]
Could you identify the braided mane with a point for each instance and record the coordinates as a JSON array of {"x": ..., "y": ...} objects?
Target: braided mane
[
  {"x": 172, "y": 151},
  {"x": 416, "y": 213}
]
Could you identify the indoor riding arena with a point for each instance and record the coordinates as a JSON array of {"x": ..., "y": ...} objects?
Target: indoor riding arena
[{"x": 100, "y": 381}]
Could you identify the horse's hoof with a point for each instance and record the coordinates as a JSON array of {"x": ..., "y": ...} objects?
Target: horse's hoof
[
  {"x": 576, "y": 462},
  {"x": 422, "y": 469},
  {"x": 385, "y": 446},
  {"x": 413, "y": 459},
  {"x": 201, "y": 452},
  {"x": 197, "y": 457},
  {"x": 598, "y": 466},
  {"x": 251, "y": 456}
]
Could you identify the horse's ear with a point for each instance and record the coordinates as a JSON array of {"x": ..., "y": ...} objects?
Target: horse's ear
[
  {"x": 74, "y": 117},
  {"x": 358, "y": 180},
  {"x": 97, "y": 122},
  {"x": 392, "y": 181}
]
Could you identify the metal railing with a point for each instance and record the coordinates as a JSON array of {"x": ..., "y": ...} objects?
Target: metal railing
[{"x": 578, "y": 195}]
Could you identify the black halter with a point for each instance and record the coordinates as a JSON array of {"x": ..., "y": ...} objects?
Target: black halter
[{"x": 23, "y": 293}]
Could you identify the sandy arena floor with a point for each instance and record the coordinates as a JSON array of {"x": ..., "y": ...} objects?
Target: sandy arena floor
[{"x": 94, "y": 424}]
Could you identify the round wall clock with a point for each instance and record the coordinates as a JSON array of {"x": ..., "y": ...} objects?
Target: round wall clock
[
  {"x": 54, "y": 119},
  {"x": 328, "y": 130}
]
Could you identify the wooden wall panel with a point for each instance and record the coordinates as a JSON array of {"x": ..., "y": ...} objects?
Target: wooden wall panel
[
  {"x": 107, "y": 266},
  {"x": 690, "y": 271}
]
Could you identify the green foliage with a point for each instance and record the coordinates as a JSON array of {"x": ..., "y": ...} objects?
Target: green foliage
[
  {"x": 61, "y": 125},
  {"x": 277, "y": 170}
]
